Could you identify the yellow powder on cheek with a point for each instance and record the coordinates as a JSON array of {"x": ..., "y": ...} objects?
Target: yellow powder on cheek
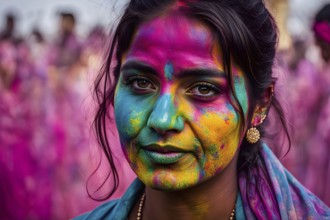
[
  {"x": 185, "y": 140},
  {"x": 226, "y": 151},
  {"x": 135, "y": 123},
  {"x": 212, "y": 127},
  {"x": 142, "y": 167},
  {"x": 219, "y": 138}
]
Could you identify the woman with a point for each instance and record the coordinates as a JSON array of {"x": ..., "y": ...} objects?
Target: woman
[{"x": 191, "y": 89}]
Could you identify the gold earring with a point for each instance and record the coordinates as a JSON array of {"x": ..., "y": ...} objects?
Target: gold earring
[{"x": 252, "y": 135}]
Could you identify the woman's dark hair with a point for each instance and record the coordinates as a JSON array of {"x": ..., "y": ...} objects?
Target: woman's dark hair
[
  {"x": 247, "y": 34},
  {"x": 323, "y": 14}
]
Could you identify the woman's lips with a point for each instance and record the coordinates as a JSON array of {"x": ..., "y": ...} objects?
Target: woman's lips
[
  {"x": 163, "y": 154},
  {"x": 164, "y": 158}
]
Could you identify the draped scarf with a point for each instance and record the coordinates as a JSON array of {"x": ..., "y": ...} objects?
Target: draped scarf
[{"x": 269, "y": 191}]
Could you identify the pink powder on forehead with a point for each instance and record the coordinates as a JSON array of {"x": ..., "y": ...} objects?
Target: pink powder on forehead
[
  {"x": 182, "y": 3},
  {"x": 169, "y": 36}
]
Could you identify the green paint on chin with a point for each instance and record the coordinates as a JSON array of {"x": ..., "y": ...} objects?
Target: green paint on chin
[{"x": 168, "y": 70}]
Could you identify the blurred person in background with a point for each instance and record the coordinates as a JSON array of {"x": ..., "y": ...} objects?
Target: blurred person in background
[
  {"x": 322, "y": 33},
  {"x": 66, "y": 51},
  {"x": 16, "y": 63},
  {"x": 8, "y": 39},
  {"x": 308, "y": 84},
  {"x": 299, "y": 78},
  {"x": 91, "y": 59},
  {"x": 26, "y": 184},
  {"x": 39, "y": 48},
  {"x": 9, "y": 31},
  {"x": 306, "y": 89},
  {"x": 317, "y": 174},
  {"x": 43, "y": 132}
]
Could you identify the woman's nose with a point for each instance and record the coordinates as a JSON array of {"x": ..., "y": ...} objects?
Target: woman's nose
[{"x": 165, "y": 117}]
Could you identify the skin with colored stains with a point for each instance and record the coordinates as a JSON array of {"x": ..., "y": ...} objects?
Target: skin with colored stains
[
  {"x": 168, "y": 70},
  {"x": 173, "y": 106}
]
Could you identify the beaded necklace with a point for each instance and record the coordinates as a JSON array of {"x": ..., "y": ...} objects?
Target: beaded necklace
[{"x": 139, "y": 214}]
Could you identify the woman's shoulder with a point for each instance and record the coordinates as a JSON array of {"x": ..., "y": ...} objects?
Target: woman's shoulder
[
  {"x": 118, "y": 208},
  {"x": 100, "y": 212}
]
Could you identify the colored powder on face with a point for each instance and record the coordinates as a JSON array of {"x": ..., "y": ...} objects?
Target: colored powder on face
[
  {"x": 227, "y": 120},
  {"x": 164, "y": 113},
  {"x": 241, "y": 91},
  {"x": 208, "y": 129},
  {"x": 168, "y": 70},
  {"x": 200, "y": 36},
  {"x": 136, "y": 122}
]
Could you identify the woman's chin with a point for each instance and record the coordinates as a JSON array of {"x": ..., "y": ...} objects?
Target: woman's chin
[{"x": 170, "y": 182}]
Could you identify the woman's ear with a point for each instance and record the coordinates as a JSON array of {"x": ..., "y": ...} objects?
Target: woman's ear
[{"x": 261, "y": 110}]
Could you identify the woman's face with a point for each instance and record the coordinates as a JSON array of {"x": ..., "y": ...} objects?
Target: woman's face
[{"x": 173, "y": 107}]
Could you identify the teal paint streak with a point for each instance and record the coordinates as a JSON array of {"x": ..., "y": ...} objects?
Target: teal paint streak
[
  {"x": 164, "y": 116},
  {"x": 168, "y": 70},
  {"x": 241, "y": 92}
]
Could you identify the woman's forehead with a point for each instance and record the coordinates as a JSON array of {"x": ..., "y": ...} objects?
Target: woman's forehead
[
  {"x": 172, "y": 20},
  {"x": 175, "y": 27},
  {"x": 174, "y": 38}
]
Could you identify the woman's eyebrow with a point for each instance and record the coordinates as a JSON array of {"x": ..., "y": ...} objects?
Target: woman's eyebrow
[
  {"x": 139, "y": 66},
  {"x": 201, "y": 72},
  {"x": 196, "y": 72}
]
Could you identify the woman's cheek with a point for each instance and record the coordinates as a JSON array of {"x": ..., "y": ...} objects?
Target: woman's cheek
[
  {"x": 130, "y": 113},
  {"x": 218, "y": 133},
  {"x": 214, "y": 124}
]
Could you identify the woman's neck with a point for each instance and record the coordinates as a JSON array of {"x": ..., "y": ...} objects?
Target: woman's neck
[{"x": 213, "y": 199}]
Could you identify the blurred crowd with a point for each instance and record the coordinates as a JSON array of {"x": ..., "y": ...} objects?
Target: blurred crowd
[
  {"x": 46, "y": 109},
  {"x": 304, "y": 81}
]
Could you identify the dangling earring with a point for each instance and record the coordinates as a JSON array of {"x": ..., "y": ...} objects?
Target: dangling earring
[{"x": 253, "y": 134}]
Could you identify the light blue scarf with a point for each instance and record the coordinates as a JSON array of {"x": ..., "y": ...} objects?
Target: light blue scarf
[{"x": 269, "y": 191}]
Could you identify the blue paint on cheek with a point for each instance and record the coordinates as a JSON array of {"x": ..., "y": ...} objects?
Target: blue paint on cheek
[
  {"x": 123, "y": 112},
  {"x": 168, "y": 70},
  {"x": 131, "y": 112}
]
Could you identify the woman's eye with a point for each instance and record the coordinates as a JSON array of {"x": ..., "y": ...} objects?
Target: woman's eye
[
  {"x": 204, "y": 91},
  {"x": 141, "y": 85}
]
